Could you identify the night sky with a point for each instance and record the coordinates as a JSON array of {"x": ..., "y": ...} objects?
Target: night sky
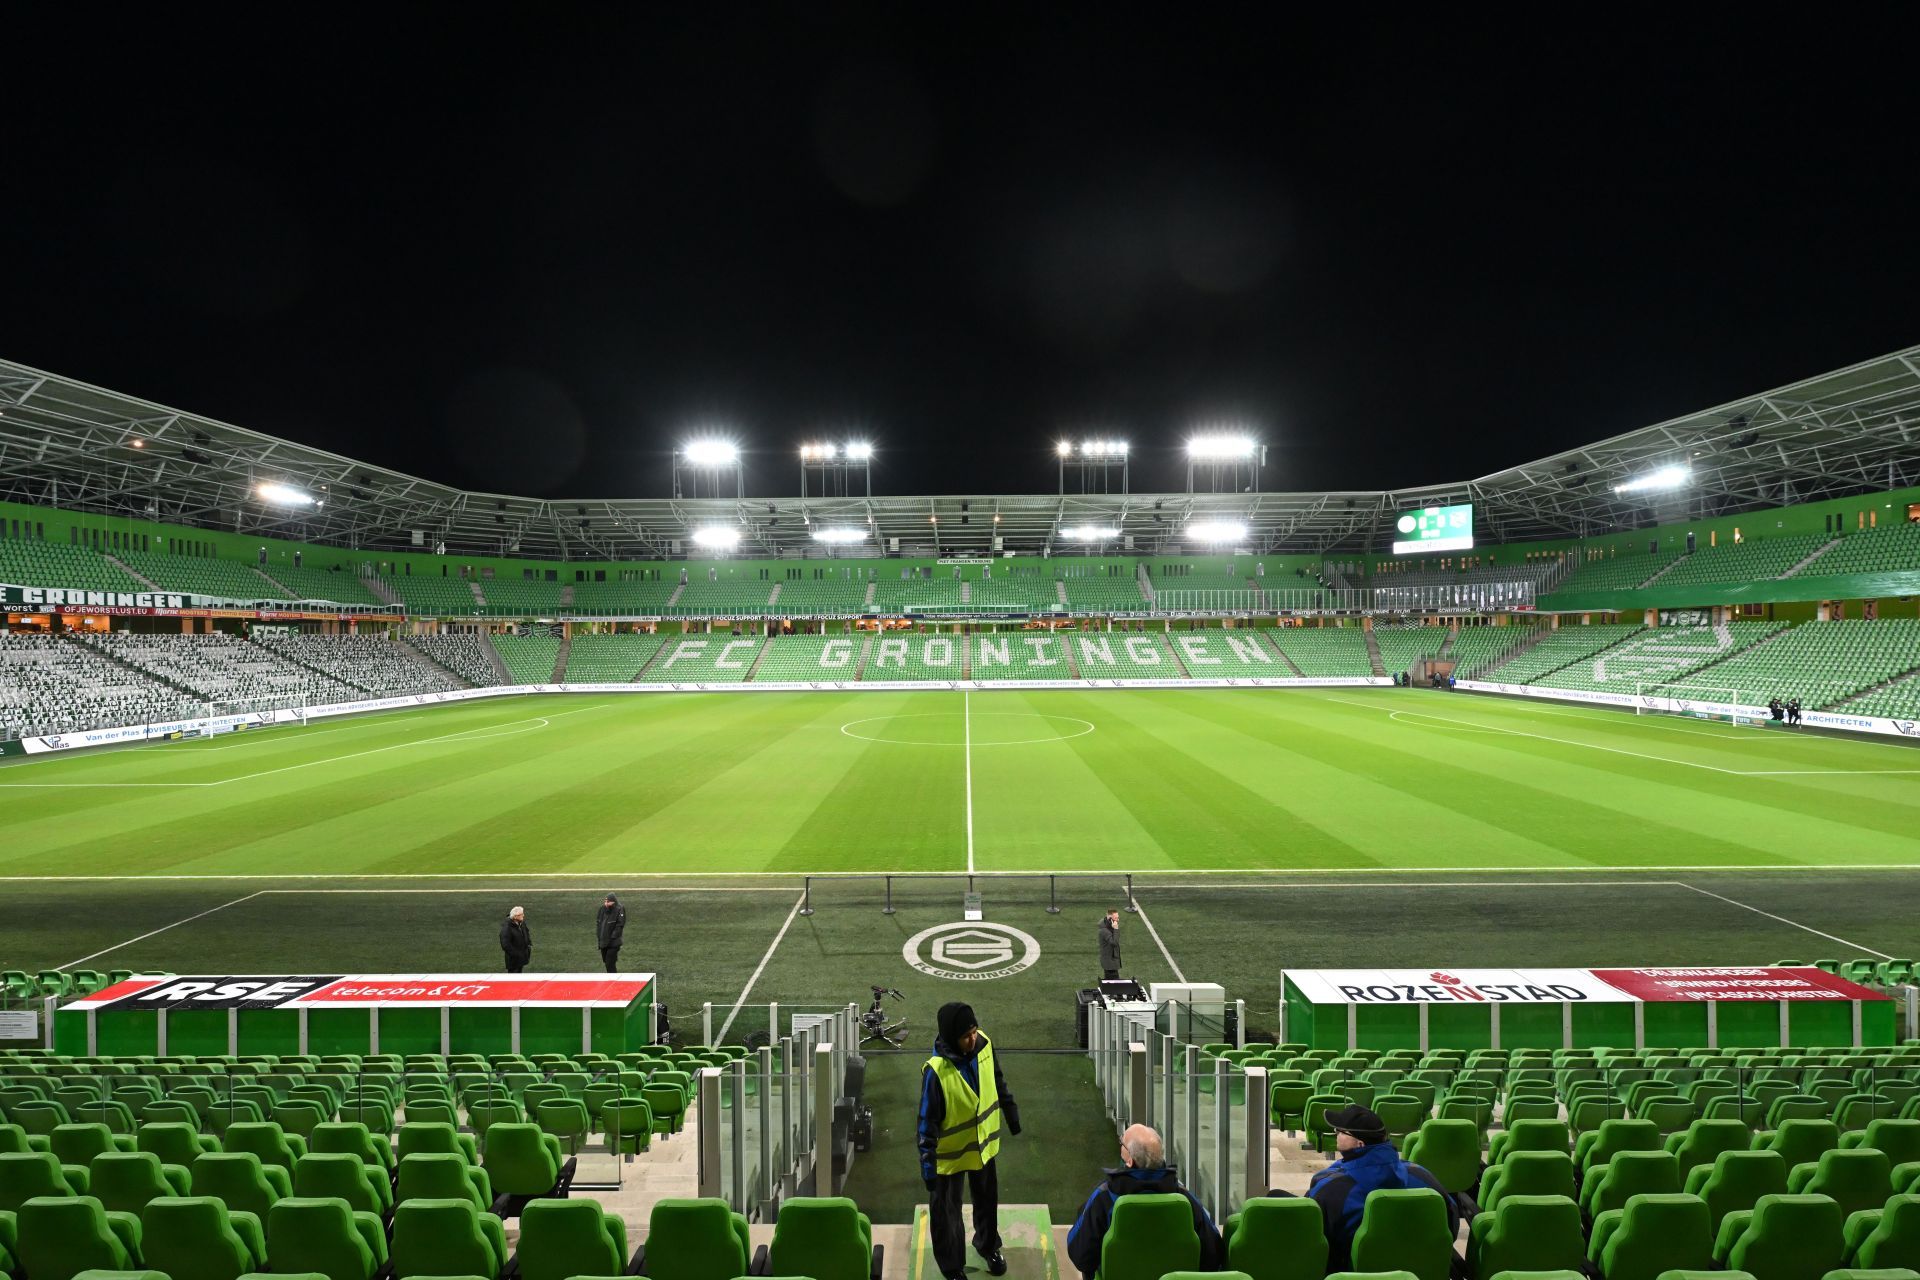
[{"x": 527, "y": 250}]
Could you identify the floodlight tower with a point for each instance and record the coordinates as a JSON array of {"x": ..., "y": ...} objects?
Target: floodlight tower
[
  {"x": 1224, "y": 462},
  {"x": 842, "y": 468},
  {"x": 1095, "y": 462},
  {"x": 707, "y": 467}
]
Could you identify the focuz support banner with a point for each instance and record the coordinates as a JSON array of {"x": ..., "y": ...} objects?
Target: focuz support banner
[
  {"x": 1570, "y": 986},
  {"x": 367, "y": 991}
]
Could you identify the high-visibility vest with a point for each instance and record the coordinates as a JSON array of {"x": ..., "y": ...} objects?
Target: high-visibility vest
[{"x": 970, "y": 1134}]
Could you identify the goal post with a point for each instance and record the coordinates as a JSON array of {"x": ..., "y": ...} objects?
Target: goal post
[{"x": 1695, "y": 701}]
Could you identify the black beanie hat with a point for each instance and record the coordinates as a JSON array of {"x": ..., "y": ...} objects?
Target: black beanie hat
[{"x": 956, "y": 1020}]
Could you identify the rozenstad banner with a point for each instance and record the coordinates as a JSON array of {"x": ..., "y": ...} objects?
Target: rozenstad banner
[
  {"x": 1569, "y": 986},
  {"x": 362, "y": 991}
]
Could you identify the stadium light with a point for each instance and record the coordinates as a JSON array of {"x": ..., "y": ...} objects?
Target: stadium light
[
  {"x": 719, "y": 537},
  {"x": 284, "y": 495},
  {"x": 859, "y": 450},
  {"x": 1103, "y": 448},
  {"x": 1064, "y": 448},
  {"x": 839, "y": 535},
  {"x": 1088, "y": 533},
  {"x": 1217, "y": 530},
  {"x": 1215, "y": 448},
  {"x": 711, "y": 453},
  {"x": 1664, "y": 478}
]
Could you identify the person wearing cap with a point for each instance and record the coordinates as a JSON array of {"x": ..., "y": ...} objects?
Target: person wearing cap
[
  {"x": 610, "y": 928},
  {"x": 1143, "y": 1171},
  {"x": 1368, "y": 1163},
  {"x": 962, "y": 1098}
]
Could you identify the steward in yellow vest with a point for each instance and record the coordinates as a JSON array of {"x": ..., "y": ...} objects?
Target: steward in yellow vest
[{"x": 965, "y": 1106}]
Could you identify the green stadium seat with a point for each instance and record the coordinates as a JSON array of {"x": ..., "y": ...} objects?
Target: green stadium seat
[
  {"x": 1650, "y": 1235},
  {"x": 62, "y": 1236},
  {"x": 564, "y": 1238},
  {"x": 523, "y": 1163},
  {"x": 828, "y": 1238},
  {"x": 1529, "y": 1135},
  {"x": 445, "y": 1237},
  {"x": 196, "y": 1238},
  {"x": 1277, "y": 1239},
  {"x": 1527, "y": 1233},
  {"x": 326, "y": 1237},
  {"x": 266, "y": 1139},
  {"x": 1702, "y": 1142},
  {"x": 695, "y": 1240},
  {"x": 1858, "y": 1179},
  {"x": 1790, "y": 1237},
  {"x": 1888, "y": 1236},
  {"x": 1403, "y": 1229},
  {"x": 26, "y": 1176},
  {"x": 124, "y": 1181},
  {"x": 80, "y": 1143},
  {"x": 366, "y": 1188},
  {"x": 1528, "y": 1173},
  {"x": 1609, "y": 1138},
  {"x": 1448, "y": 1149},
  {"x": 628, "y": 1125},
  {"x": 421, "y": 1138},
  {"x": 1629, "y": 1173},
  {"x": 239, "y": 1179},
  {"x": 1737, "y": 1180},
  {"x": 352, "y": 1138}
]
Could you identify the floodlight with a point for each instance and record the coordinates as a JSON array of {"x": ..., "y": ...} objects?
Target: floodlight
[
  {"x": 1064, "y": 448},
  {"x": 717, "y": 536},
  {"x": 838, "y": 535},
  {"x": 1213, "y": 448},
  {"x": 1103, "y": 448},
  {"x": 859, "y": 451},
  {"x": 1088, "y": 533},
  {"x": 711, "y": 453},
  {"x": 284, "y": 495},
  {"x": 1664, "y": 478},
  {"x": 1217, "y": 530}
]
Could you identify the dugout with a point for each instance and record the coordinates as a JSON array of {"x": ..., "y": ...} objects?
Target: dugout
[
  {"x": 1581, "y": 1009},
  {"x": 362, "y": 1014}
]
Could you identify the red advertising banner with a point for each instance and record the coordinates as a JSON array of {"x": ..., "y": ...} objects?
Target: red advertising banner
[
  {"x": 362, "y": 991},
  {"x": 1735, "y": 984}
]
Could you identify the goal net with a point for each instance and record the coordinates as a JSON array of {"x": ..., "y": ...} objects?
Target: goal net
[{"x": 1695, "y": 701}]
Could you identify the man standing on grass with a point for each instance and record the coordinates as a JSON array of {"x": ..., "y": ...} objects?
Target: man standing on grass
[
  {"x": 962, "y": 1096},
  {"x": 516, "y": 940},
  {"x": 610, "y": 926},
  {"x": 1110, "y": 945}
]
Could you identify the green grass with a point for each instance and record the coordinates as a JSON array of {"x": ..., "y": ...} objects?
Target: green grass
[{"x": 1142, "y": 780}]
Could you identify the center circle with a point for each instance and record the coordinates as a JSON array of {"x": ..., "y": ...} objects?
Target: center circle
[{"x": 953, "y": 728}]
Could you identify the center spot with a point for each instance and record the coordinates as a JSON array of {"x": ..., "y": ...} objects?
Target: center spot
[{"x": 951, "y": 728}]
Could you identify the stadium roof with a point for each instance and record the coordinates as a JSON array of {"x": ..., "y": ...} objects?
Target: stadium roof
[{"x": 68, "y": 444}]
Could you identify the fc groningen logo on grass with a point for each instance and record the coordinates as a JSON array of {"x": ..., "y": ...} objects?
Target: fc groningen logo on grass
[{"x": 971, "y": 951}]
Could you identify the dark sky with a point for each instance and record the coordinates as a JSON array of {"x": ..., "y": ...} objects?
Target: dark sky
[{"x": 527, "y": 250}]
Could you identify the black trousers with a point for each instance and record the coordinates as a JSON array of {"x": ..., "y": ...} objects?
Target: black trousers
[
  {"x": 1111, "y": 974},
  {"x": 611, "y": 955},
  {"x": 515, "y": 966},
  {"x": 946, "y": 1226}
]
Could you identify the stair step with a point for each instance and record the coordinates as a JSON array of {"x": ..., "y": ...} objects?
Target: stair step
[{"x": 1027, "y": 1240}]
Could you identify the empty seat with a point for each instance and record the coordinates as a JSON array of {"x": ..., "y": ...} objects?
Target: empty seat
[
  {"x": 1610, "y": 1137},
  {"x": 1277, "y": 1239},
  {"x": 196, "y": 1238},
  {"x": 239, "y": 1179},
  {"x": 1527, "y": 1233},
  {"x": 25, "y": 1175},
  {"x": 828, "y": 1238},
  {"x": 1737, "y": 1180},
  {"x": 442, "y": 1176},
  {"x": 123, "y": 1181},
  {"x": 365, "y": 1188},
  {"x": 696, "y": 1240},
  {"x": 1885, "y": 1237},
  {"x": 59, "y": 1237},
  {"x": 1404, "y": 1229},
  {"x": 523, "y": 1163},
  {"x": 446, "y": 1237},
  {"x": 1703, "y": 1141},
  {"x": 1651, "y": 1235},
  {"x": 1449, "y": 1150},
  {"x": 324, "y": 1236},
  {"x": 563, "y": 1238},
  {"x": 1790, "y": 1237},
  {"x": 1857, "y": 1179},
  {"x": 1629, "y": 1173},
  {"x": 1529, "y": 1135}
]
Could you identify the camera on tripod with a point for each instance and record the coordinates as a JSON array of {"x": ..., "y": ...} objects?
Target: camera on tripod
[{"x": 874, "y": 1024}]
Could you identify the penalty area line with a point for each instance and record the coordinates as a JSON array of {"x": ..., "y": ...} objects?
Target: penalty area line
[
  {"x": 1155, "y": 935},
  {"x": 1830, "y": 937},
  {"x": 760, "y": 969},
  {"x": 162, "y": 929}
]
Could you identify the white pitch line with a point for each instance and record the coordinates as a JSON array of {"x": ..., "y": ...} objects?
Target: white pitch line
[
  {"x": 1155, "y": 934},
  {"x": 623, "y": 888},
  {"x": 966, "y": 748},
  {"x": 162, "y": 929},
  {"x": 759, "y": 969},
  {"x": 1783, "y": 920}
]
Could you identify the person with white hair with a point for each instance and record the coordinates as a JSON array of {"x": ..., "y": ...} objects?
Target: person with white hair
[
  {"x": 1143, "y": 1171},
  {"x": 516, "y": 940}
]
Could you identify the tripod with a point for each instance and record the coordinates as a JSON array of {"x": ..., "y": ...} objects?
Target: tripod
[{"x": 874, "y": 1024}]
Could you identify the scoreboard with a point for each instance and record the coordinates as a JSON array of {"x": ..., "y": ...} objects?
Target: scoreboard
[{"x": 1434, "y": 529}]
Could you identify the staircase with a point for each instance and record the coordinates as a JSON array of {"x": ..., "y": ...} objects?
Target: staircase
[
  {"x": 1073, "y": 664},
  {"x": 866, "y": 651},
  {"x": 1060, "y": 593},
  {"x": 651, "y": 659},
  {"x": 966, "y": 655},
  {"x": 1446, "y": 646},
  {"x": 1373, "y": 653},
  {"x": 279, "y": 587},
  {"x": 1530, "y": 642},
  {"x": 773, "y": 598},
  {"x": 381, "y": 591},
  {"x": 678, "y": 591},
  {"x": 1146, "y": 583},
  {"x": 1275, "y": 645},
  {"x": 966, "y": 592},
  {"x": 429, "y": 664},
  {"x": 493, "y": 655},
  {"x": 1665, "y": 569},
  {"x": 473, "y": 585},
  {"x": 758, "y": 654},
  {"x": 560, "y": 659},
  {"x": 1809, "y": 559},
  {"x": 1174, "y": 649},
  {"x": 873, "y": 586},
  {"x": 150, "y": 677},
  {"x": 121, "y": 565},
  {"x": 1861, "y": 693},
  {"x": 566, "y": 596}
]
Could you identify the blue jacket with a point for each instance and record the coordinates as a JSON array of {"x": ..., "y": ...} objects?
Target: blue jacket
[
  {"x": 1341, "y": 1190},
  {"x": 1096, "y": 1215},
  {"x": 933, "y": 1101}
]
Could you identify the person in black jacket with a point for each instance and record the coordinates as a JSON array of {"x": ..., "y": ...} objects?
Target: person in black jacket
[
  {"x": 610, "y": 926},
  {"x": 516, "y": 940},
  {"x": 1144, "y": 1171},
  {"x": 1110, "y": 945}
]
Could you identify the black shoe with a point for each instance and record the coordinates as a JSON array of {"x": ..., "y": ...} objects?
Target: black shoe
[{"x": 996, "y": 1263}]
